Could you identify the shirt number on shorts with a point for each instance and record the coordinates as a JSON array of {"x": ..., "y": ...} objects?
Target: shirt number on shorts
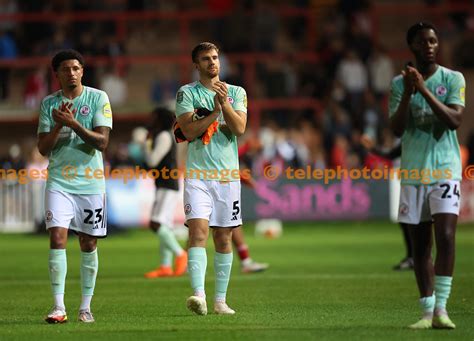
[
  {"x": 446, "y": 194},
  {"x": 235, "y": 210},
  {"x": 90, "y": 219}
]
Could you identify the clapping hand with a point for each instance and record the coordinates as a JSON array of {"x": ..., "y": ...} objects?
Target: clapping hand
[{"x": 64, "y": 116}]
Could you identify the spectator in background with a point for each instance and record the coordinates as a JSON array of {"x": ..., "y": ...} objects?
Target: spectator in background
[
  {"x": 352, "y": 74},
  {"x": 266, "y": 27},
  {"x": 8, "y": 7},
  {"x": 164, "y": 87},
  {"x": 36, "y": 88},
  {"x": 114, "y": 85},
  {"x": 88, "y": 47},
  {"x": 381, "y": 72},
  {"x": 8, "y": 51}
]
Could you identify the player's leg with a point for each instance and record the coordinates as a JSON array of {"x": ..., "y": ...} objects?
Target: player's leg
[
  {"x": 57, "y": 265},
  {"x": 59, "y": 213},
  {"x": 407, "y": 262},
  {"x": 224, "y": 218},
  {"x": 414, "y": 211},
  {"x": 222, "y": 266},
  {"x": 166, "y": 256},
  {"x": 89, "y": 269},
  {"x": 197, "y": 209},
  {"x": 248, "y": 265},
  {"x": 445, "y": 229},
  {"x": 444, "y": 206},
  {"x": 422, "y": 236},
  {"x": 163, "y": 216},
  {"x": 90, "y": 222},
  {"x": 197, "y": 264}
]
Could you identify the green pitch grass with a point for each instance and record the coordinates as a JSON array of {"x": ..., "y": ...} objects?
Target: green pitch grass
[{"x": 326, "y": 281}]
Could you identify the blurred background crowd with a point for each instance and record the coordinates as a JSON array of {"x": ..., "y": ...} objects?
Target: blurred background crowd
[{"x": 317, "y": 72}]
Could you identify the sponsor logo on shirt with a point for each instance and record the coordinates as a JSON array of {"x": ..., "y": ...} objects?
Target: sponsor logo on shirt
[
  {"x": 107, "y": 110},
  {"x": 441, "y": 90},
  {"x": 179, "y": 96},
  {"x": 85, "y": 110}
]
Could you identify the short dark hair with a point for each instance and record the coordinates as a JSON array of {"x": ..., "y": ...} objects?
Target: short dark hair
[
  {"x": 206, "y": 46},
  {"x": 165, "y": 117},
  {"x": 63, "y": 55},
  {"x": 414, "y": 29}
]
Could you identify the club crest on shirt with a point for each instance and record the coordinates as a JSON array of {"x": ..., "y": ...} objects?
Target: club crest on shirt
[
  {"x": 230, "y": 100},
  {"x": 441, "y": 90},
  {"x": 85, "y": 110},
  {"x": 403, "y": 209},
  {"x": 49, "y": 216},
  {"x": 187, "y": 209}
]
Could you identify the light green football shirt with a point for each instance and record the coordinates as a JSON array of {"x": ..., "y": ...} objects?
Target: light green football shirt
[
  {"x": 71, "y": 156},
  {"x": 428, "y": 143},
  {"x": 220, "y": 156}
]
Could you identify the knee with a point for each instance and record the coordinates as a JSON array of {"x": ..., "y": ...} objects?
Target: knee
[
  {"x": 88, "y": 244},
  {"x": 154, "y": 226},
  {"x": 223, "y": 240},
  {"x": 57, "y": 240}
]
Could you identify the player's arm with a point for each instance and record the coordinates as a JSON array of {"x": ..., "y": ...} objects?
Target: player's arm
[
  {"x": 399, "y": 120},
  {"x": 48, "y": 134},
  {"x": 97, "y": 138},
  {"x": 235, "y": 120},
  {"x": 192, "y": 129},
  {"x": 450, "y": 114},
  {"x": 47, "y": 141}
]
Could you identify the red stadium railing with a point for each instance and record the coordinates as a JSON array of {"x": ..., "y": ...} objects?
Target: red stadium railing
[{"x": 249, "y": 61}]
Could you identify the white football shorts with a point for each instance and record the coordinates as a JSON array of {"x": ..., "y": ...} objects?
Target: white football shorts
[
  {"x": 420, "y": 203},
  {"x": 164, "y": 207},
  {"x": 79, "y": 212},
  {"x": 216, "y": 201}
]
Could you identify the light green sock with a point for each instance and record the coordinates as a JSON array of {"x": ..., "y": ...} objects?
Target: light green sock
[
  {"x": 222, "y": 267},
  {"x": 57, "y": 270},
  {"x": 427, "y": 305},
  {"x": 442, "y": 291},
  {"x": 166, "y": 255},
  {"x": 197, "y": 263},
  {"x": 168, "y": 238},
  {"x": 89, "y": 268}
]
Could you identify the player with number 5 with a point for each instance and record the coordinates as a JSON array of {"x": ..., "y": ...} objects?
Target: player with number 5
[
  {"x": 212, "y": 184},
  {"x": 426, "y": 107}
]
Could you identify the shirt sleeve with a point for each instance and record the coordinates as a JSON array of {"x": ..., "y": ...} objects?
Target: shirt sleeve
[
  {"x": 103, "y": 114},
  {"x": 395, "y": 97},
  {"x": 162, "y": 145},
  {"x": 240, "y": 103},
  {"x": 457, "y": 90},
  {"x": 44, "y": 124},
  {"x": 184, "y": 102}
]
